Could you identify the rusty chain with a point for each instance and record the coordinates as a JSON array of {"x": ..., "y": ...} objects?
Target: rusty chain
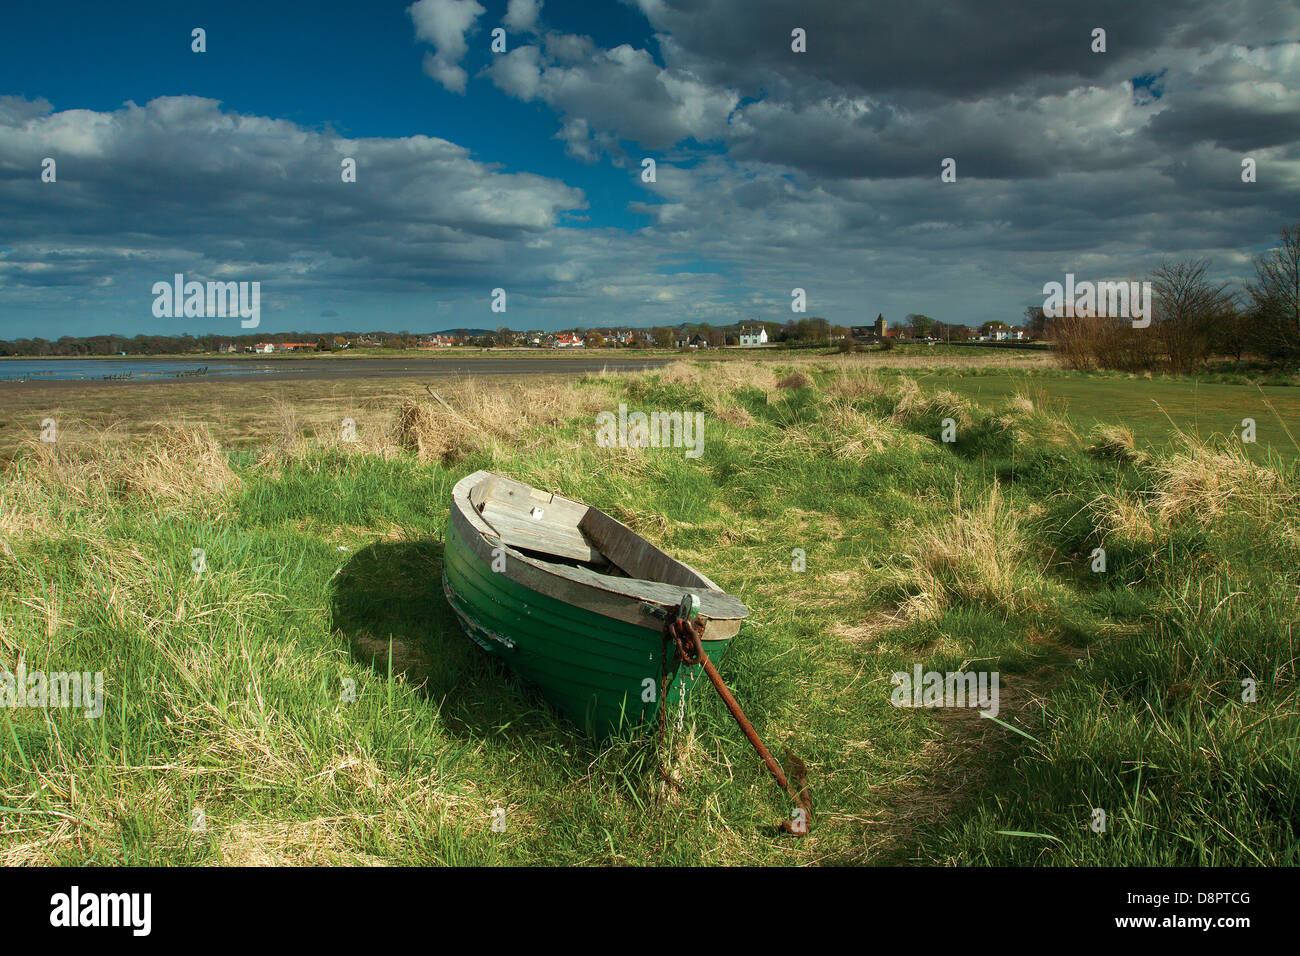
[{"x": 687, "y": 637}]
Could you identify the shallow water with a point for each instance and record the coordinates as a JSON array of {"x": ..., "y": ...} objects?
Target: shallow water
[{"x": 38, "y": 370}]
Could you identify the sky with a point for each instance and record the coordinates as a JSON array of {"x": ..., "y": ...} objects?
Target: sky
[{"x": 524, "y": 170}]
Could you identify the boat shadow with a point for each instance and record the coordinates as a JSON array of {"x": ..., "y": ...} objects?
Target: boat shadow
[
  {"x": 391, "y": 591},
  {"x": 388, "y": 598}
]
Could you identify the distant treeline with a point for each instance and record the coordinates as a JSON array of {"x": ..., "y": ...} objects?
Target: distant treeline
[
  {"x": 74, "y": 345},
  {"x": 1196, "y": 319},
  {"x": 813, "y": 330}
]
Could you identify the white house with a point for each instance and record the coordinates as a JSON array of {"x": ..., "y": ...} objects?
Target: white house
[{"x": 753, "y": 335}]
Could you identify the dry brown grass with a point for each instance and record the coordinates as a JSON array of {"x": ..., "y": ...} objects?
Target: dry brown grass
[
  {"x": 682, "y": 373},
  {"x": 21, "y": 513},
  {"x": 856, "y": 436},
  {"x": 794, "y": 380},
  {"x": 1028, "y": 420},
  {"x": 1204, "y": 479},
  {"x": 913, "y": 403},
  {"x": 714, "y": 377},
  {"x": 851, "y": 381},
  {"x": 173, "y": 467},
  {"x": 980, "y": 556},
  {"x": 477, "y": 417},
  {"x": 1124, "y": 517},
  {"x": 868, "y": 631},
  {"x": 719, "y": 381},
  {"x": 1114, "y": 443},
  {"x": 321, "y": 842},
  {"x": 435, "y": 434},
  {"x": 1022, "y": 404},
  {"x": 730, "y": 414}
]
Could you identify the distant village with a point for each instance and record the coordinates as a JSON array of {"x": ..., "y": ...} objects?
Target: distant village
[
  {"x": 507, "y": 338},
  {"x": 802, "y": 333}
]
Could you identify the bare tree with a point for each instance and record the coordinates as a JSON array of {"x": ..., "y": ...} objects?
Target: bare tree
[
  {"x": 1085, "y": 340},
  {"x": 1035, "y": 321},
  {"x": 1187, "y": 303},
  {"x": 1275, "y": 300},
  {"x": 1074, "y": 336},
  {"x": 1232, "y": 333}
]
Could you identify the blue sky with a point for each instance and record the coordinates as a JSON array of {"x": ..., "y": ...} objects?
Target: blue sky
[
  {"x": 776, "y": 170},
  {"x": 326, "y": 66}
]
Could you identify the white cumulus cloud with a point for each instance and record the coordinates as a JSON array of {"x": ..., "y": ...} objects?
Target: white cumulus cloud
[
  {"x": 444, "y": 24},
  {"x": 522, "y": 15}
]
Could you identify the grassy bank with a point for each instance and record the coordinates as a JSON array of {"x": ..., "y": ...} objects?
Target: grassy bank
[
  {"x": 307, "y": 697},
  {"x": 243, "y": 413}
]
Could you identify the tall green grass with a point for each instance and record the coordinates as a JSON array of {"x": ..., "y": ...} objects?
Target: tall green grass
[{"x": 308, "y": 697}]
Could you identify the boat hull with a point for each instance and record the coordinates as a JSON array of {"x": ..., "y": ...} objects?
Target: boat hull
[{"x": 602, "y": 672}]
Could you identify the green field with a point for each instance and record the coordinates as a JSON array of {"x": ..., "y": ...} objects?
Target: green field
[
  {"x": 1154, "y": 409},
  {"x": 307, "y": 698}
]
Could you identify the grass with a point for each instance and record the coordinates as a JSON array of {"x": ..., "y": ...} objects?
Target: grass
[
  {"x": 1154, "y": 409},
  {"x": 308, "y": 698},
  {"x": 241, "y": 413}
]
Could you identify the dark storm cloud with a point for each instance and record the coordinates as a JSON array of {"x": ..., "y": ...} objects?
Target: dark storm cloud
[
  {"x": 956, "y": 48},
  {"x": 1009, "y": 90}
]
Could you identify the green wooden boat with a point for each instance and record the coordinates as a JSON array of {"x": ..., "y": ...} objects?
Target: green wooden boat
[{"x": 575, "y": 602}]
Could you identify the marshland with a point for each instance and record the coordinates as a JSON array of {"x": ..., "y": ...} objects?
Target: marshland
[{"x": 255, "y": 569}]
